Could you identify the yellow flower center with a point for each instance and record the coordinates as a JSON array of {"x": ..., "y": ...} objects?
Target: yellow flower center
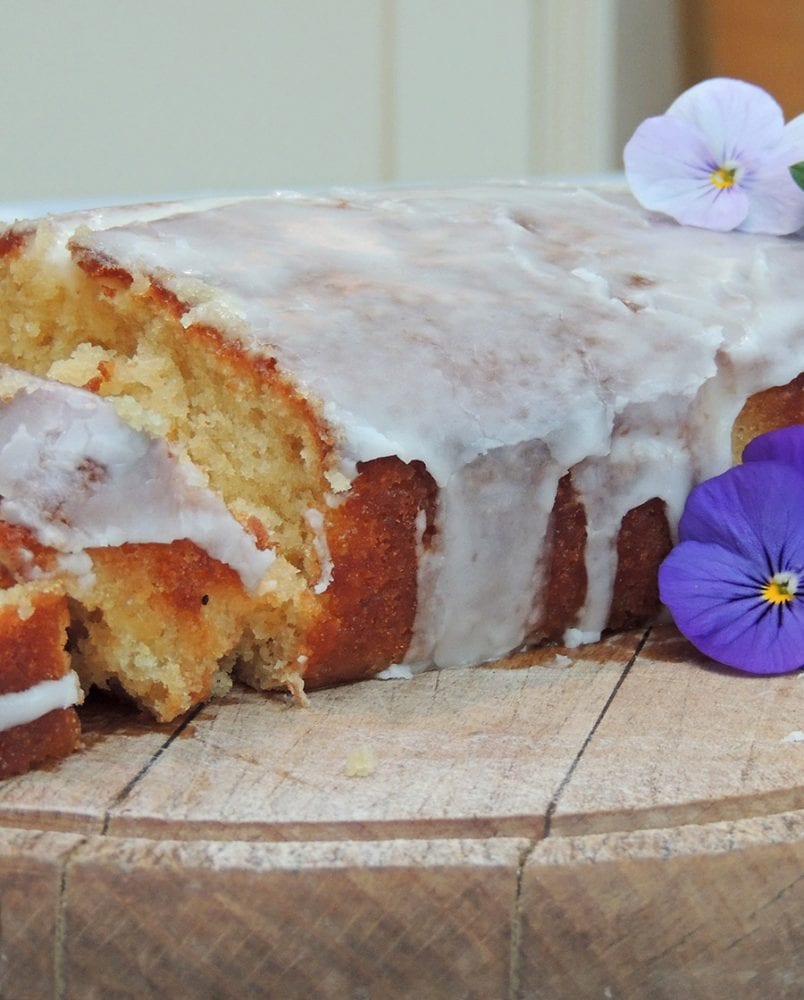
[
  {"x": 781, "y": 588},
  {"x": 724, "y": 177}
]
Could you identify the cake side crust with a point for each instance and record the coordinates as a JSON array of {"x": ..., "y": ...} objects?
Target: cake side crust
[{"x": 33, "y": 639}]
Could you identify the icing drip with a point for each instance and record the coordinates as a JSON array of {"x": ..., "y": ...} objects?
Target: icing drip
[
  {"x": 315, "y": 519},
  {"x": 21, "y": 707},
  {"x": 647, "y": 459},
  {"x": 79, "y": 477},
  {"x": 503, "y": 335},
  {"x": 496, "y": 508}
]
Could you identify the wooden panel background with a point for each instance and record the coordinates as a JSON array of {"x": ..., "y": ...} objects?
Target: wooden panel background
[
  {"x": 760, "y": 42},
  {"x": 105, "y": 101}
]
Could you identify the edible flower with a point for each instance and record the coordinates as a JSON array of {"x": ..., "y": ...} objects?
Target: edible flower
[
  {"x": 721, "y": 158},
  {"x": 735, "y": 582}
]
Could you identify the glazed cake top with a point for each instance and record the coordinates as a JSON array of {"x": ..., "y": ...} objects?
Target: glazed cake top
[
  {"x": 506, "y": 313},
  {"x": 502, "y": 334}
]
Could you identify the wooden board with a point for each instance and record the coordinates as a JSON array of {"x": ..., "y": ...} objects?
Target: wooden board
[{"x": 624, "y": 820}]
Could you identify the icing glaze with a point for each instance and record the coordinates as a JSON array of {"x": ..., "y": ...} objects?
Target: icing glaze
[
  {"x": 503, "y": 335},
  {"x": 80, "y": 478},
  {"x": 21, "y": 707},
  {"x": 315, "y": 520}
]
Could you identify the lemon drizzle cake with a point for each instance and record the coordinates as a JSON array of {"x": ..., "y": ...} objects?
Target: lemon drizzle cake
[{"x": 441, "y": 424}]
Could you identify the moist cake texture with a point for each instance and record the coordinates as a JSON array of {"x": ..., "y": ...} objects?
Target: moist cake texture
[{"x": 411, "y": 427}]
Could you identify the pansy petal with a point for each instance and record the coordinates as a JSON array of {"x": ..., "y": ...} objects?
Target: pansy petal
[
  {"x": 717, "y": 606},
  {"x": 756, "y": 510},
  {"x": 730, "y": 114},
  {"x": 668, "y": 167},
  {"x": 785, "y": 444},
  {"x": 709, "y": 207},
  {"x": 791, "y": 147},
  {"x": 775, "y": 204}
]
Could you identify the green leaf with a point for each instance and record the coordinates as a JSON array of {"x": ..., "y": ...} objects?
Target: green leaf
[{"x": 797, "y": 170}]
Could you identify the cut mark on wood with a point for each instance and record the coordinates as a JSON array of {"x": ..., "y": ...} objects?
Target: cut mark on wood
[
  {"x": 553, "y": 805},
  {"x": 126, "y": 790},
  {"x": 517, "y": 914},
  {"x": 60, "y": 930},
  {"x": 515, "y": 953}
]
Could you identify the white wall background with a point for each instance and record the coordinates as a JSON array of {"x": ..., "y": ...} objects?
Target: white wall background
[{"x": 103, "y": 99}]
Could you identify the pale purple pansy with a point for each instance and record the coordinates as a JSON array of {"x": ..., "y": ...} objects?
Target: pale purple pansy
[
  {"x": 735, "y": 582},
  {"x": 720, "y": 158}
]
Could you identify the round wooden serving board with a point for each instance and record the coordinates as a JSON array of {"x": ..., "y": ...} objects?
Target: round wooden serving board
[{"x": 623, "y": 820}]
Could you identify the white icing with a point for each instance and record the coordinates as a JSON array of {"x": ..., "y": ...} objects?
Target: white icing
[
  {"x": 574, "y": 637},
  {"x": 79, "y": 477},
  {"x": 21, "y": 707},
  {"x": 396, "y": 672},
  {"x": 315, "y": 520},
  {"x": 496, "y": 509},
  {"x": 502, "y": 335}
]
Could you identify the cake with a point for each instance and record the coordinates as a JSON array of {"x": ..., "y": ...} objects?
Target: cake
[
  {"x": 300, "y": 440},
  {"x": 38, "y": 690}
]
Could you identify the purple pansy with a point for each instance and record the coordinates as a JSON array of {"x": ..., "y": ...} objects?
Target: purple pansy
[
  {"x": 720, "y": 158},
  {"x": 735, "y": 581}
]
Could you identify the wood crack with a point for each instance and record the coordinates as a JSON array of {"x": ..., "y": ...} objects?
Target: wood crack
[
  {"x": 554, "y": 802},
  {"x": 777, "y": 897},
  {"x": 515, "y": 954},
  {"x": 60, "y": 931},
  {"x": 130, "y": 785}
]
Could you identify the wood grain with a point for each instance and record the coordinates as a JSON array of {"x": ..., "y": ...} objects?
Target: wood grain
[
  {"x": 687, "y": 741},
  {"x": 31, "y": 869},
  {"x": 624, "y": 820},
  {"x": 77, "y": 794},
  {"x": 290, "y": 920},
  {"x": 696, "y": 911},
  {"x": 458, "y": 753}
]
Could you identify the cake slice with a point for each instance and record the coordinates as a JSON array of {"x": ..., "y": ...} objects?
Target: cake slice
[
  {"x": 439, "y": 425},
  {"x": 38, "y": 690}
]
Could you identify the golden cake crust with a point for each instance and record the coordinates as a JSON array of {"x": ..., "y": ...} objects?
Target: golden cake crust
[
  {"x": 368, "y": 610},
  {"x": 33, "y": 637}
]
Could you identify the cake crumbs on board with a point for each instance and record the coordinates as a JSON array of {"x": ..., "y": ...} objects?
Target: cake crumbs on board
[{"x": 361, "y": 762}]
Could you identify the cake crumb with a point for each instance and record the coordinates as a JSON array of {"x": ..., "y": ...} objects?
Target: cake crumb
[
  {"x": 25, "y": 609},
  {"x": 360, "y": 762},
  {"x": 294, "y": 683},
  {"x": 221, "y": 684},
  {"x": 338, "y": 481}
]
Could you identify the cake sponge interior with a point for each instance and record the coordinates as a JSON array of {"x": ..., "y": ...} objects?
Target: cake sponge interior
[{"x": 165, "y": 623}]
